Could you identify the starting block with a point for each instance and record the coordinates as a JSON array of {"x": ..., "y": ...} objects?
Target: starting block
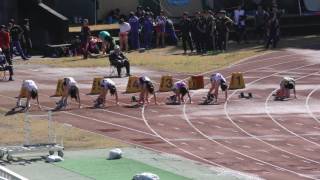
[
  {"x": 196, "y": 82},
  {"x": 172, "y": 100},
  {"x": 237, "y": 81},
  {"x": 133, "y": 85},
  {"x": 59, "y": 89},
  {"x": 96, "y": 88},
  {"x": 246, "y": 96},
  {"x": 208, "y": 100},
  {"x": 166, "y": 84}
]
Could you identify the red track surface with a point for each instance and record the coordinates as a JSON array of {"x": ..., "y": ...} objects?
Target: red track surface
[{"x": 275, "y": 140}]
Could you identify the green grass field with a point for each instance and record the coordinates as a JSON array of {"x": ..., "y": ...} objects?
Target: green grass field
[{"x": 122, "y": 169}]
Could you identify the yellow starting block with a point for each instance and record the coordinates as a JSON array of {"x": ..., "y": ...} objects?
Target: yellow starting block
[
  {"x": 166, "y": 84},
  {"x": 237, "y": 81},
  {"x": 96, "y": 88},
  {"x": 59, "y": 89},
  {"x": 23, "y": 93},
  {"x": 196, "y": 82},
  {"x": 133, "y": 85}
]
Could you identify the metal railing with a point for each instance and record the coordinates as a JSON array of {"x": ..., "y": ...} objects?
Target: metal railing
[{"x": 6, "y": 174}]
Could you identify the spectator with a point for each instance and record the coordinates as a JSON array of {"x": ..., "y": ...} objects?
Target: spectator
[
  {"x": 202, "y": 29},
  {"x": 240, "y": 22},
  {"x": 123, "y": 35},
  {"x": 16, "y": 33},
  {"x": 273, "y": 31},
  {"x": 160, "y": 29},
  {"x": 5, "y": 46},
  {"x": 211, "y": 31},
  {"x": 134, "y": 32},
  {"x": 185, "y": 26},
  {"x": 147, "y": 31},
  {"x": 139, "y": 12},
  {"x": 119, "y": 60},
  {"x": 75, "y": 46},
  {"x": 27, "y": 43},
  {"x": 93, "y": 46},
  {"x": 171, "y": 33},
  {"x": 195, "y": 33},
  {"x": 224, "y": 24},
  {"x": 107, "y": 42},
  {"x": 261, "y": 17},
  {"x": 110, "y": 17},
  {"x": 85, "y": 38}
]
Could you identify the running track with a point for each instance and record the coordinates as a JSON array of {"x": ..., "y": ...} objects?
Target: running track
[{"x": 271, "y": 139}]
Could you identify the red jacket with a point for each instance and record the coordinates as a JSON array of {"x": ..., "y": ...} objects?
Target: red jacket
[{"x": 4, "y": 40}]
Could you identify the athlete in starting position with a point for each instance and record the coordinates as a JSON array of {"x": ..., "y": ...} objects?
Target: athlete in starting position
[
  {"x": 286, "y": 84},
  {"x": 217, "y": 80},
  {"x": 146, "y": 87},
  {"x": 31, "y": 89},
  {"x": 106, "y": 85},
  {"x": 180, "y": 89},
  {"x": 70, "y": 88}
]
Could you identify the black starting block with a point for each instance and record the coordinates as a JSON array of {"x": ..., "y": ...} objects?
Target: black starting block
[
  {"x": 246, "y": 96},
  {"x": 18, "y": 108},
  {"x": 172, "y": 100},
  {"x": 208, "y": 100}
]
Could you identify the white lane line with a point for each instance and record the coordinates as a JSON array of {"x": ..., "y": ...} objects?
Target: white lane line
[
  {"x": 93, "y": 119},
  {"x": 249, "y": 134},
  {"x": 267, "y": 110},
  {"x": 174, "y": 145},
  {"x": 220, "y": 153},
  {"x": 231, "y": 149},
  {"x": 308, "y": 106}
]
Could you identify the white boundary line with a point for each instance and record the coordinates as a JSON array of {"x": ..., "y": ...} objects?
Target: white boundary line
[
  {"x": 267, "y": 110},
  {"x": 255, "y": 137},
  {"x": 308, "y": 106},
  {"x": 191, "y": 124}
]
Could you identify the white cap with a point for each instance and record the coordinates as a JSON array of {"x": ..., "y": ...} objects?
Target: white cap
[
  {"x": 116, "y": 47},
  {"x": 0, "y": 50}
]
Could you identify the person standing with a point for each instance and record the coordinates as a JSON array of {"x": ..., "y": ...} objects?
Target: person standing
[
  {"x": 185, "y": 26},
  {"x": 273, "y": 31},
  {"x": 85, "y": 38},
  {"x": 147, "y": 29},
  {"x": 161, "y": 29},
  {"x": 224, "y": 24},
  {"x": 27, "y": 43},
  {"x": 16, "y": 33},
  {"x": 195, "y": 34},
  {"x": 134, "y": 32},
  {"x": 202, "y": 28},
  {"x": 5, "y": 47},
  {"x": 123, "y": 35},
  {"x": 240, "y": 22},
  {"x": 260, "y": 23}
]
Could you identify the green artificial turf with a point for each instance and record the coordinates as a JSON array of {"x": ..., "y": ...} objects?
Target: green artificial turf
[{"x": 122, "y": 169}]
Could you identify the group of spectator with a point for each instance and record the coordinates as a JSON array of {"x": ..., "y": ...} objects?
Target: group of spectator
[
  {"x": 201, "y": 32},
  {"x": 137, "y": 31},
  {"x": 15, "y": 40}
]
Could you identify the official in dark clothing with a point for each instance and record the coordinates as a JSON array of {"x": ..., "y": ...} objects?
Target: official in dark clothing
[
  {"x": 195, "y": 33},
  {"x": 16, "y": 33},
  {"x": 211, "y": 30},
  {"x": 273, "y": 31},
  {"x": 185, "y": 26},
  {"x": 147, "y": 31},
  {"x": 26, "y": 39},
  {"x": 202, "y": 28},
  {"x": 119, "y": 60},
  {"x": 224, "y": 24}
]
